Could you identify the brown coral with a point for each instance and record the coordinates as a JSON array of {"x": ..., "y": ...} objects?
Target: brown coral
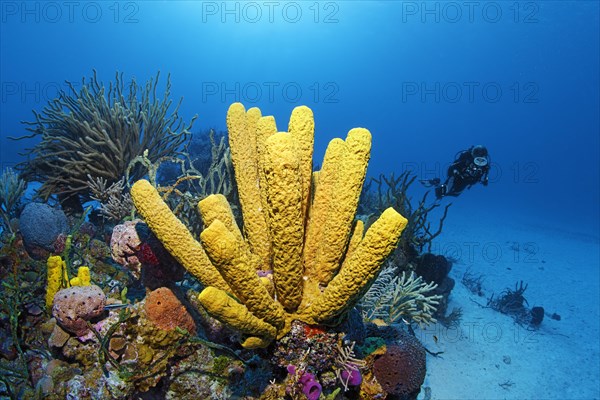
[
  {"x": 165, "y": 310},
  {"x": 401, "y": 370}
]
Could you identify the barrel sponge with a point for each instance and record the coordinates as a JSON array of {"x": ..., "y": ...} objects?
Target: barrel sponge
[
  {"x": 41, "y": 224},
  {"x": 401, "y": 369}
]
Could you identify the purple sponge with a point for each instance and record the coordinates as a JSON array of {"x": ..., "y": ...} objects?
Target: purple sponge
[
  {"x": 352, "y": 377},
  {"x": 310, "y": 386}
]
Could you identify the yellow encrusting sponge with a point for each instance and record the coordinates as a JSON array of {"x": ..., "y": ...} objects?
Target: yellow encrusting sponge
[
  {"x": 83, "y": 277},
  {"x": 57, "y": 278}
]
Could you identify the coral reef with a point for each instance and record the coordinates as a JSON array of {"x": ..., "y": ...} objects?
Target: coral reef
[
  {"x": 272, "y": 312},
  {"x": 319, "y": 272},
  {"x": 98, "y": 131}
]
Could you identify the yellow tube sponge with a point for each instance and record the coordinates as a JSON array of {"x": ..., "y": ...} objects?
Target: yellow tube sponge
[
  {"x": 265, "y": 128},
  {"x": 242, "y": 127},
  {"x": 57, "y": 278},
  {"x": 356, "y": 238},
  {"x": 286, "y": 218},
  {"x": 227, "y": 310},
  {"x": 302, "y": 129},
  {"x": 319, "y": 212},
  {"x": 215, "y": 206},
  {"x": 360, "y": 270},
  {"x": 83, "y": 277},
  {"x": 235, "y": 264},
  {"x": 174, "y": 235},
  {"x": 343, "y": 204},
  {"x": 300, "y": 254}
]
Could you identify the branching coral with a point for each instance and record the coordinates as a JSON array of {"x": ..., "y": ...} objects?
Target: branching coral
[
  {"x": 11, "y": 191},
  {"x": 307, "y": 243},
  {"x": 191, "y": 184},
  {"x": 392, "y": 191},
  {"x": 115, "y": 204},
  {"x": 394, "y": 297},
  {"x": 98, "y": 131},
  {"x": 348, "y": 366}
]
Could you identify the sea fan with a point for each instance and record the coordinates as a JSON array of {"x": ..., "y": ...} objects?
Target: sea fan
[{"x": 393, "y": 297}]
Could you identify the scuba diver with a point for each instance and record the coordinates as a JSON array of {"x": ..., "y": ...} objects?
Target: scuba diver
[{"x": 469, "y": 167}]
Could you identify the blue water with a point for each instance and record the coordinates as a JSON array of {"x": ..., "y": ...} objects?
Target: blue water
[{"x": 427, "y": 78}]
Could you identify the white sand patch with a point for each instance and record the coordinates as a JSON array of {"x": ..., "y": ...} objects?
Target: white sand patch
[{"x": 491, "y": 357}]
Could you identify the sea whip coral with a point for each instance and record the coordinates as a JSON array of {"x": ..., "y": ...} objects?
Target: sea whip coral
[{"x": 98, "y": 131}]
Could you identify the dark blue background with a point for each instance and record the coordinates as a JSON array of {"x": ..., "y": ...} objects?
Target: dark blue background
[{"x": 401, "y": 69}]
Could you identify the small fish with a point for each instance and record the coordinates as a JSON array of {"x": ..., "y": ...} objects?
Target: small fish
[
  {"x": 115, "y": 306},
  {"x": 435, "y": 339}
]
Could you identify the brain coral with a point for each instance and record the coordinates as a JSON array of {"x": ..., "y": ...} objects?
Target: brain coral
[
  {"x": 401, "y": 370},
  {"x": 41, "y": 224}
]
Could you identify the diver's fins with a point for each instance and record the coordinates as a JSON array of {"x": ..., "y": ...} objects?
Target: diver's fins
[{"x": 430, "y": 182}]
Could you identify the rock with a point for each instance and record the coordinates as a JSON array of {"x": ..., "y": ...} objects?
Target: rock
[{"x": 58, "y": 337}]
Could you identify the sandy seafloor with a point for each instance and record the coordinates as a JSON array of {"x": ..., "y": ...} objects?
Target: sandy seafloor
[{"x": 491, "y": 357}]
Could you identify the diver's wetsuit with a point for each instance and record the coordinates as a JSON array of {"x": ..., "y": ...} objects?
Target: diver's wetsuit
[{"x": 463, "y": 173}]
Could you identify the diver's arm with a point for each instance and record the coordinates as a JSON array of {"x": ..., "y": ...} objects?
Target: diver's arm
[{"x": 484, "y": 177}]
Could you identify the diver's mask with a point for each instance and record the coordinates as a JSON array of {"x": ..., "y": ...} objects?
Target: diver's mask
[{"x": 480, "y": 161}]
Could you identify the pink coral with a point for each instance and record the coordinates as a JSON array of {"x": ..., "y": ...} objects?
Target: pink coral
[
  {"x": 76, "y": 305},
  {"x": 124, "y": 244}
]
